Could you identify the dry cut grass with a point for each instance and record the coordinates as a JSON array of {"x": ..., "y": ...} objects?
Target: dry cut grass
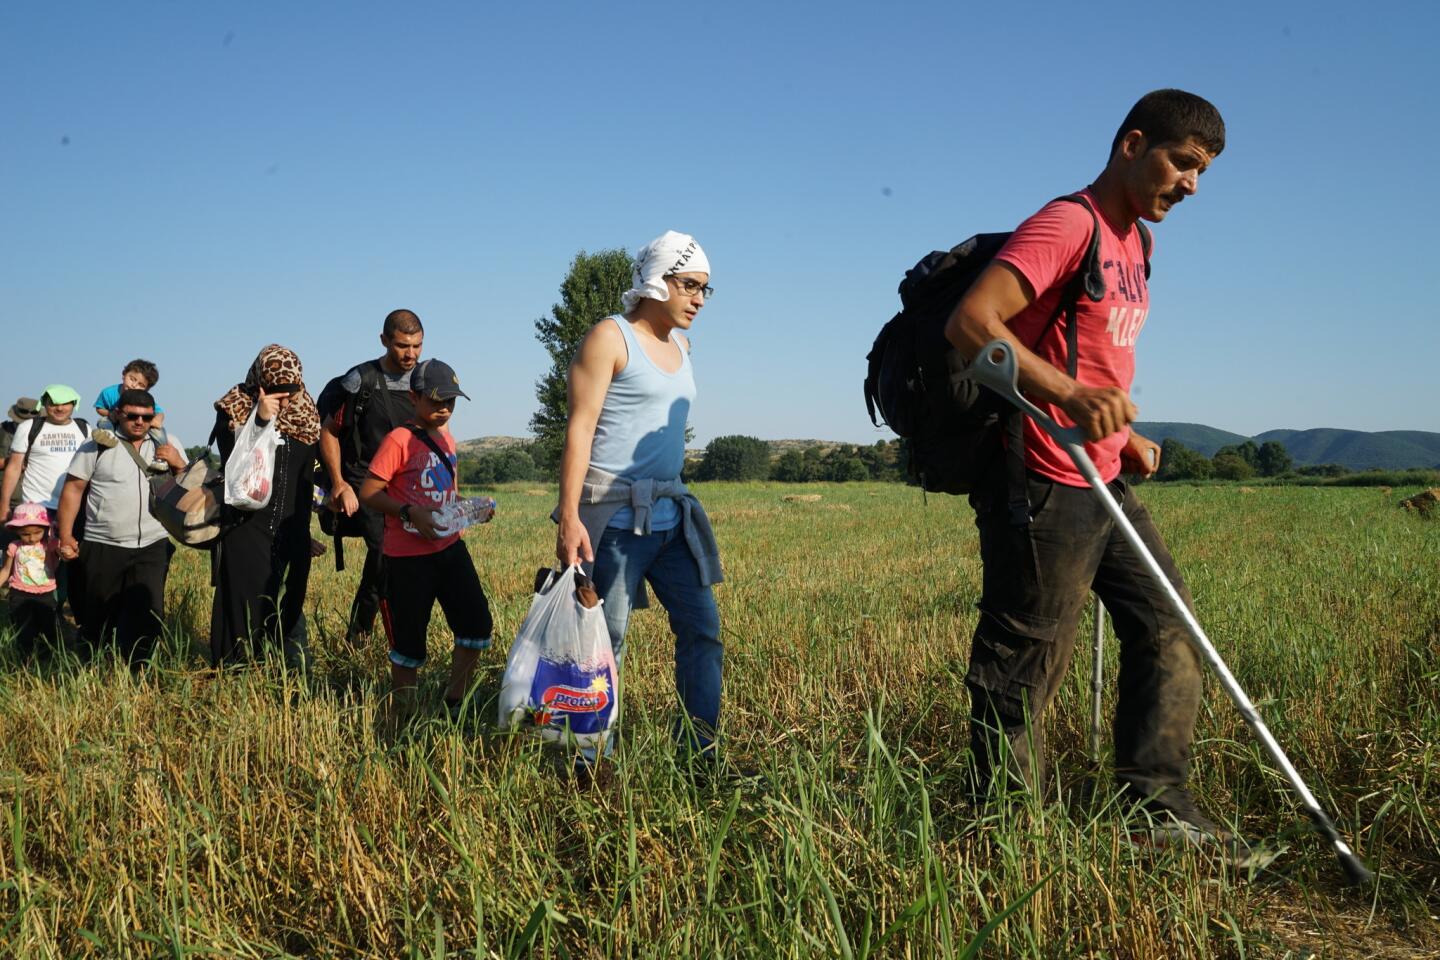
[{"x": 260, "y": 814}]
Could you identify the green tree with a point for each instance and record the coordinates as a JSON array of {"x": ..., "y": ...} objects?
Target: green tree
[
  {"x": 790, "y": 468},
  {"x": 735, "y": 458},
  {"x": 1232, "y": 466},
  {"x": 1274, "y": 459},
  {"x": 195, "y": 453},
  {"x": 849, "y": 469},
  {"x": 1246, "y": 451},
  {"x": 1179, "y": 462},
  {"x": 500, "y": 466},
  {"x": 590, "y": 292}
]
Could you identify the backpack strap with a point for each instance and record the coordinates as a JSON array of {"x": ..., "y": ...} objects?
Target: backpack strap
[
  {"x": 444, "y": 458},
  {"x": 36, "y": 425},
  {"x": 373, "y": 388},
  {"x": 1089, "y": 281},
  {"x": 134, "y": 455}
]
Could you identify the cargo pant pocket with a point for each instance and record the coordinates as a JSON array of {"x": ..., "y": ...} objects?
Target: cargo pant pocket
[{"x": 1010, "y": 661}]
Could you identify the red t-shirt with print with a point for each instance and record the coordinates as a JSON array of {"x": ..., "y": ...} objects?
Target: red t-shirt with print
[
  {"x": 414, "y": 475},
  {"x": 1047, "y": 250}
]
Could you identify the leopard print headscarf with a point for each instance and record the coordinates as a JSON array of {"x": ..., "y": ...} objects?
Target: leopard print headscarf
[{"x": 275, "y": 366}]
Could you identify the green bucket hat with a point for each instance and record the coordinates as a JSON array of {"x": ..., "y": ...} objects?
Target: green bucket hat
[{"x": 58, "y": 393}]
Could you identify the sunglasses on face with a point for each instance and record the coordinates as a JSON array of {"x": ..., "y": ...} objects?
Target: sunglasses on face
[{"x": 132, "y": 417}]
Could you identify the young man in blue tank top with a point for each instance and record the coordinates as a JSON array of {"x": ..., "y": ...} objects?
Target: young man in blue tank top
[{"x": 622, "y": 505}]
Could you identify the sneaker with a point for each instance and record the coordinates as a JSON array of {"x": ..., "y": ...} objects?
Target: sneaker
[
  {"x": 1173, "y": 819},
  {"x": 103, "y": 438}
]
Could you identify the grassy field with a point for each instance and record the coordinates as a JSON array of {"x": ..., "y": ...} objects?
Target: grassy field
[{"x": 255, "y": 814}]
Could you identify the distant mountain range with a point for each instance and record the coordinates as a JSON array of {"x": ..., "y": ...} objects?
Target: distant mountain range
[{"x": 1355, "y": 449}]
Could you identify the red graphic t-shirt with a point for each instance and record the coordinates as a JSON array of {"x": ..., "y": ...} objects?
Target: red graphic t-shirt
[
  {"x": 414, "y": 475},
  {"x": 1047, "y": 250}
]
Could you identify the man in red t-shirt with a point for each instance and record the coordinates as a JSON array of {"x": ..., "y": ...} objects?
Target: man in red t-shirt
[{"x": 1037, "y": 573}]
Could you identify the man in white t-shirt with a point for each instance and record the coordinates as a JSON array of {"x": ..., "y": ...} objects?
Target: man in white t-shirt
[{"x": 40, "y": 455}]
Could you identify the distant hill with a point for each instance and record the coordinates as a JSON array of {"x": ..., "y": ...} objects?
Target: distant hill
[
  {"x": 489, "y": 444},
  {"x": 1385, "y": 450},
  {"x": 1355, "y": 449},
  {"x": 1196, "y": 436}
]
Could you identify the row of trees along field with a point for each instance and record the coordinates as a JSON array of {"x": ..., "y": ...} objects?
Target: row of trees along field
[
  {"x": 592, "y": 288},
  {"x": 1237, "y": 462}
]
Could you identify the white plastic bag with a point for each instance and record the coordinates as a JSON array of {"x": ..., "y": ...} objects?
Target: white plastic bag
[
  {"x": 250, "y": 468},
  {"x": 561, "y": 675}
]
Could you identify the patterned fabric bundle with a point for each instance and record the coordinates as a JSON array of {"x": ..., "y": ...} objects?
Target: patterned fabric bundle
[{"x": 276, "y": 366}]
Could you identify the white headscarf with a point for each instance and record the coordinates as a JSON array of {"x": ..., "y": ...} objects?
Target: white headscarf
[{"x": 668, "y": 253}]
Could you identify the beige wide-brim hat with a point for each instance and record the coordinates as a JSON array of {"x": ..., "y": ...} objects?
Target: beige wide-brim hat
[{"x": 25, "y": 408}]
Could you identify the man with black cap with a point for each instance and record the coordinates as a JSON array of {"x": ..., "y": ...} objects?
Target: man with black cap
[{"x": 412, "y": 481}]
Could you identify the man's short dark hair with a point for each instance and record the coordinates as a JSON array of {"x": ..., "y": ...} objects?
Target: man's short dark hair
[
  {"x": 135, "y": 398},
  {"x": 145, "y": 368},
  {"x": 1174, "y": 116},
  {"x": 401, "y": 321}
]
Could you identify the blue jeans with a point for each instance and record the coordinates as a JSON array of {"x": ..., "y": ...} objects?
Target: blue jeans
[{"x": 622, "y": 559}]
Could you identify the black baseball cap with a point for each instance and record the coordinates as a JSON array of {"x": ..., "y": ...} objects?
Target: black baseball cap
[{"x": 436, "y": 379}]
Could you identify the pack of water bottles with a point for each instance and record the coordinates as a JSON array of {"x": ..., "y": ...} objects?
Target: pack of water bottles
[
  {"x": 459, "y": 514},
  {"x": 560, "y": 680}
]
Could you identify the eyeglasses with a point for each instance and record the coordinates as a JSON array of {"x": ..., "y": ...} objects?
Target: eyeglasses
[
  {"x": 147, "y": 417},
  {"x": 691, "y": 287}
]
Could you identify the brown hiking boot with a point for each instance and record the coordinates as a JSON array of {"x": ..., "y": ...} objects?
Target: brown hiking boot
[{"x": 1173, "y": 819}]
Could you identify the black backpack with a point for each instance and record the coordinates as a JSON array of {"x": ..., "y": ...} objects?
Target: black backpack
[
  {"x": 952, "y": 426},
  {"x": 373, "y": 412}
]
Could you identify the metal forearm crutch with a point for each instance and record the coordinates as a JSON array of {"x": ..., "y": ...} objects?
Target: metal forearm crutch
[
  {"x": 995, "y": 367},
  {"x": 1097, "y": 681}
]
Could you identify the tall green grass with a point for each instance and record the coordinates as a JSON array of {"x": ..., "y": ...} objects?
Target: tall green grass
[{"x": 257, "y": 813}]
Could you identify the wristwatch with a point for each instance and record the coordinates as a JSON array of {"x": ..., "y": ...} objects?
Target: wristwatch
[{"x": 405, "y": 513}]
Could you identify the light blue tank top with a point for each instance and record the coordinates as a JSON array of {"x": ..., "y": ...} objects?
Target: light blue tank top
[{"x": 641, "y": 431}]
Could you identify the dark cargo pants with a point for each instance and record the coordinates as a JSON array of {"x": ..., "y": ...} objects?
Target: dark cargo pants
[
  {"x": 372, "y": 578},
  {"x": 1036, "y": 581}
]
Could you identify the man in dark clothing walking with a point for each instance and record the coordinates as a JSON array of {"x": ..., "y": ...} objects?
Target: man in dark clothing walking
[
  {"x": 374, "y": 399},
  {"x": 1040, "y": 564}
]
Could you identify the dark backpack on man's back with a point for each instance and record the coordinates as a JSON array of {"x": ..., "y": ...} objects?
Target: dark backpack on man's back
[
  {"x": 952, "y": 426},
  {"x": 368, "y": 417}
]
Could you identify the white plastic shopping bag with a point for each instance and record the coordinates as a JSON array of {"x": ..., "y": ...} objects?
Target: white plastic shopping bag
[
  {"x": 561, "y": 675},
  {"x": 250, "y": 468}
]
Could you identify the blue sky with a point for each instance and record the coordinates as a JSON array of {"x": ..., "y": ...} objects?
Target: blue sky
[{"x": 188, "y": 182}]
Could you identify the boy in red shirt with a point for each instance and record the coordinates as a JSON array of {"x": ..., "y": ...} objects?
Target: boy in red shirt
[
  {"x": 412, "y": 478},
  {"x": 1042, "y": 557}
]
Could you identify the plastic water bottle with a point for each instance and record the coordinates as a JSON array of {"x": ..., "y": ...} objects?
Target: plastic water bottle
[{"x": 464, "y": 513}]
